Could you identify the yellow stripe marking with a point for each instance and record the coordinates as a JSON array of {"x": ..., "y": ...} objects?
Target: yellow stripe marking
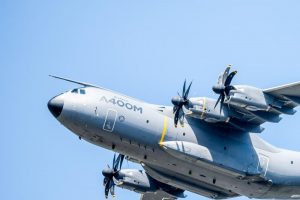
[
  {"x": 204, "y": 108},
  {"x": 163, "y": 134}
]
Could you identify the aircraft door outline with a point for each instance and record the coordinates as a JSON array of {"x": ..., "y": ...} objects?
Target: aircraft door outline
[{"x": 110, "y": 120}]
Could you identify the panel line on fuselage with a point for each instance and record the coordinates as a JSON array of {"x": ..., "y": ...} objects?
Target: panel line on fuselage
[
  {"x": 163, "y": 134},
  {"x": 204, "y": 108}
]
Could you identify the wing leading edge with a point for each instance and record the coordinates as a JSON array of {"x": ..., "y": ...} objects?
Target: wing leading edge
[
  {"x": 289, "y": 94},
  {"x": 292, "y": 89}
]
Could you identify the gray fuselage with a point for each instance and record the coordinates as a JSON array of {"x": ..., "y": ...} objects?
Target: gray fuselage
[{"x": 138, "y": 129}]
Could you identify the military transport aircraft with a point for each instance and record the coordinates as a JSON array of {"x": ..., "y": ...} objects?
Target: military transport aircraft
[{"x": 202, "y": 145}]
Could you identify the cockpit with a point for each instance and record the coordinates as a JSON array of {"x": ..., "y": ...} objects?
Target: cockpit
[{"x": 78, "y": 91}]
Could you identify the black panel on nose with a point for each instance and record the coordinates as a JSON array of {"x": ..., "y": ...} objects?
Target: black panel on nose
[{"x": 55, "y": 105}]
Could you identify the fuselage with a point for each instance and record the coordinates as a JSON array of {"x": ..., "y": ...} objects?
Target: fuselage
[{"x": 138, "y": 130}]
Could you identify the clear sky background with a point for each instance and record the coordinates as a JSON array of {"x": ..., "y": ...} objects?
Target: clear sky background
[{"x": 144, "y": 49}]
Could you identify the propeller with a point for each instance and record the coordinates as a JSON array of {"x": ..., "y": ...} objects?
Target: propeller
[
  {"x": 223, "y": 86},
  {"x": 111, "y": 174},
  {"x": 180, "y": 103}
]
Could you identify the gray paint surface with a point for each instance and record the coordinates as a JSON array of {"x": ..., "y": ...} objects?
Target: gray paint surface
[{"x": 216, "y": 160}]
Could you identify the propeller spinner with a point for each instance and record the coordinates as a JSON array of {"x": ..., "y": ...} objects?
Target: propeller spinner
[
  {"x": 112, "y": 173},
  {"x": 180, "y": 103},
  {"x": 223, "y": 86}
]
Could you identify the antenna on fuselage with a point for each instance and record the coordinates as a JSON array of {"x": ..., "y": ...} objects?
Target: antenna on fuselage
[{"x": 77, "y": 82}]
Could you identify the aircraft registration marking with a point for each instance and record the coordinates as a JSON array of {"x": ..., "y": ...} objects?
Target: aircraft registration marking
[{"x": 163, "y": 134}]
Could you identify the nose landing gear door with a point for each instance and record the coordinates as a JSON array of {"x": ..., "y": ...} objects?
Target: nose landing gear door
[{"x": 110, "y": 120}]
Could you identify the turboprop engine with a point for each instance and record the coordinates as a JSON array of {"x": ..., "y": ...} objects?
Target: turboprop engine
[
  {"x": 135, "y": 180},
  {"x": 250, "y": 98},
  {"x": 204, "y": 108},
  {"x": 140, "y": 182},
  {"x": 131, "y": 179}
]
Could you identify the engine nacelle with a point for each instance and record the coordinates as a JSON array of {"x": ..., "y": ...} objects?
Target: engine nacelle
[
  {"x": 204, "y": 108},
  {"x": 250, "y": 98},
  {"x": 140, "y": 182},
  {"x": 135, "y": 180}
]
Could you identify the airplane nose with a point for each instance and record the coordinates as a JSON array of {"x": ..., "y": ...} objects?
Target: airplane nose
[{"x": 55, "y": 105}]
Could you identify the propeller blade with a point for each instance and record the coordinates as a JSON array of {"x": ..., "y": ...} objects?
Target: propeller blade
[
  {"x": 111, "y": 175},
  {"x": 224, "y": 89},
  {"x": 181, "y": 117},
  {"x": 117, "y": 163},
  {"x": 229, "y": 78},
  {"x": 222, "y": 103},
  {"x": 187, "y": 92},
  {"x": 114, "y": 161},
  {"x": 183, "y": 89},
  {"x": 181, "y": 103},
  {"x": 178, "y": 94},
  {"x": 121, "y": 161},
  {"x": 106, "y": 190},
  {"x": 225, "y": 75},
  {"x": 181, "y": 121},
  {"x": 105, "y": 180},
  {"x": 112, "y": 189},
  {"x": 220, "y": 79},
  {"x": 175, "y": 108},
  {"x": 220, "y": 97},
  {"x": 176, "y": 117}
]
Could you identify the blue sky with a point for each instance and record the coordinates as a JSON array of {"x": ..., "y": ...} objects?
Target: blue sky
[{"x": 144, "y": 49}]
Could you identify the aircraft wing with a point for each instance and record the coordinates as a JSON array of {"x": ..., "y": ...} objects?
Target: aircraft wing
[
  {"x": 283, "y": 99},
  {"x": 156, "y": 196},
  {"x": 287, "y": 97},
  {"x": 289, "y": 94}
]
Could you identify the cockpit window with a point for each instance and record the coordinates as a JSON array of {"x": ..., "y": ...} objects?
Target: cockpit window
[
  {"x": 82, "y": 91},
  {"x": 75, "y": 91}
]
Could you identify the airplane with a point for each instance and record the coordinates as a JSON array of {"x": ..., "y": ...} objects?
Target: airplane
[{"x": 206, "y": 146}]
